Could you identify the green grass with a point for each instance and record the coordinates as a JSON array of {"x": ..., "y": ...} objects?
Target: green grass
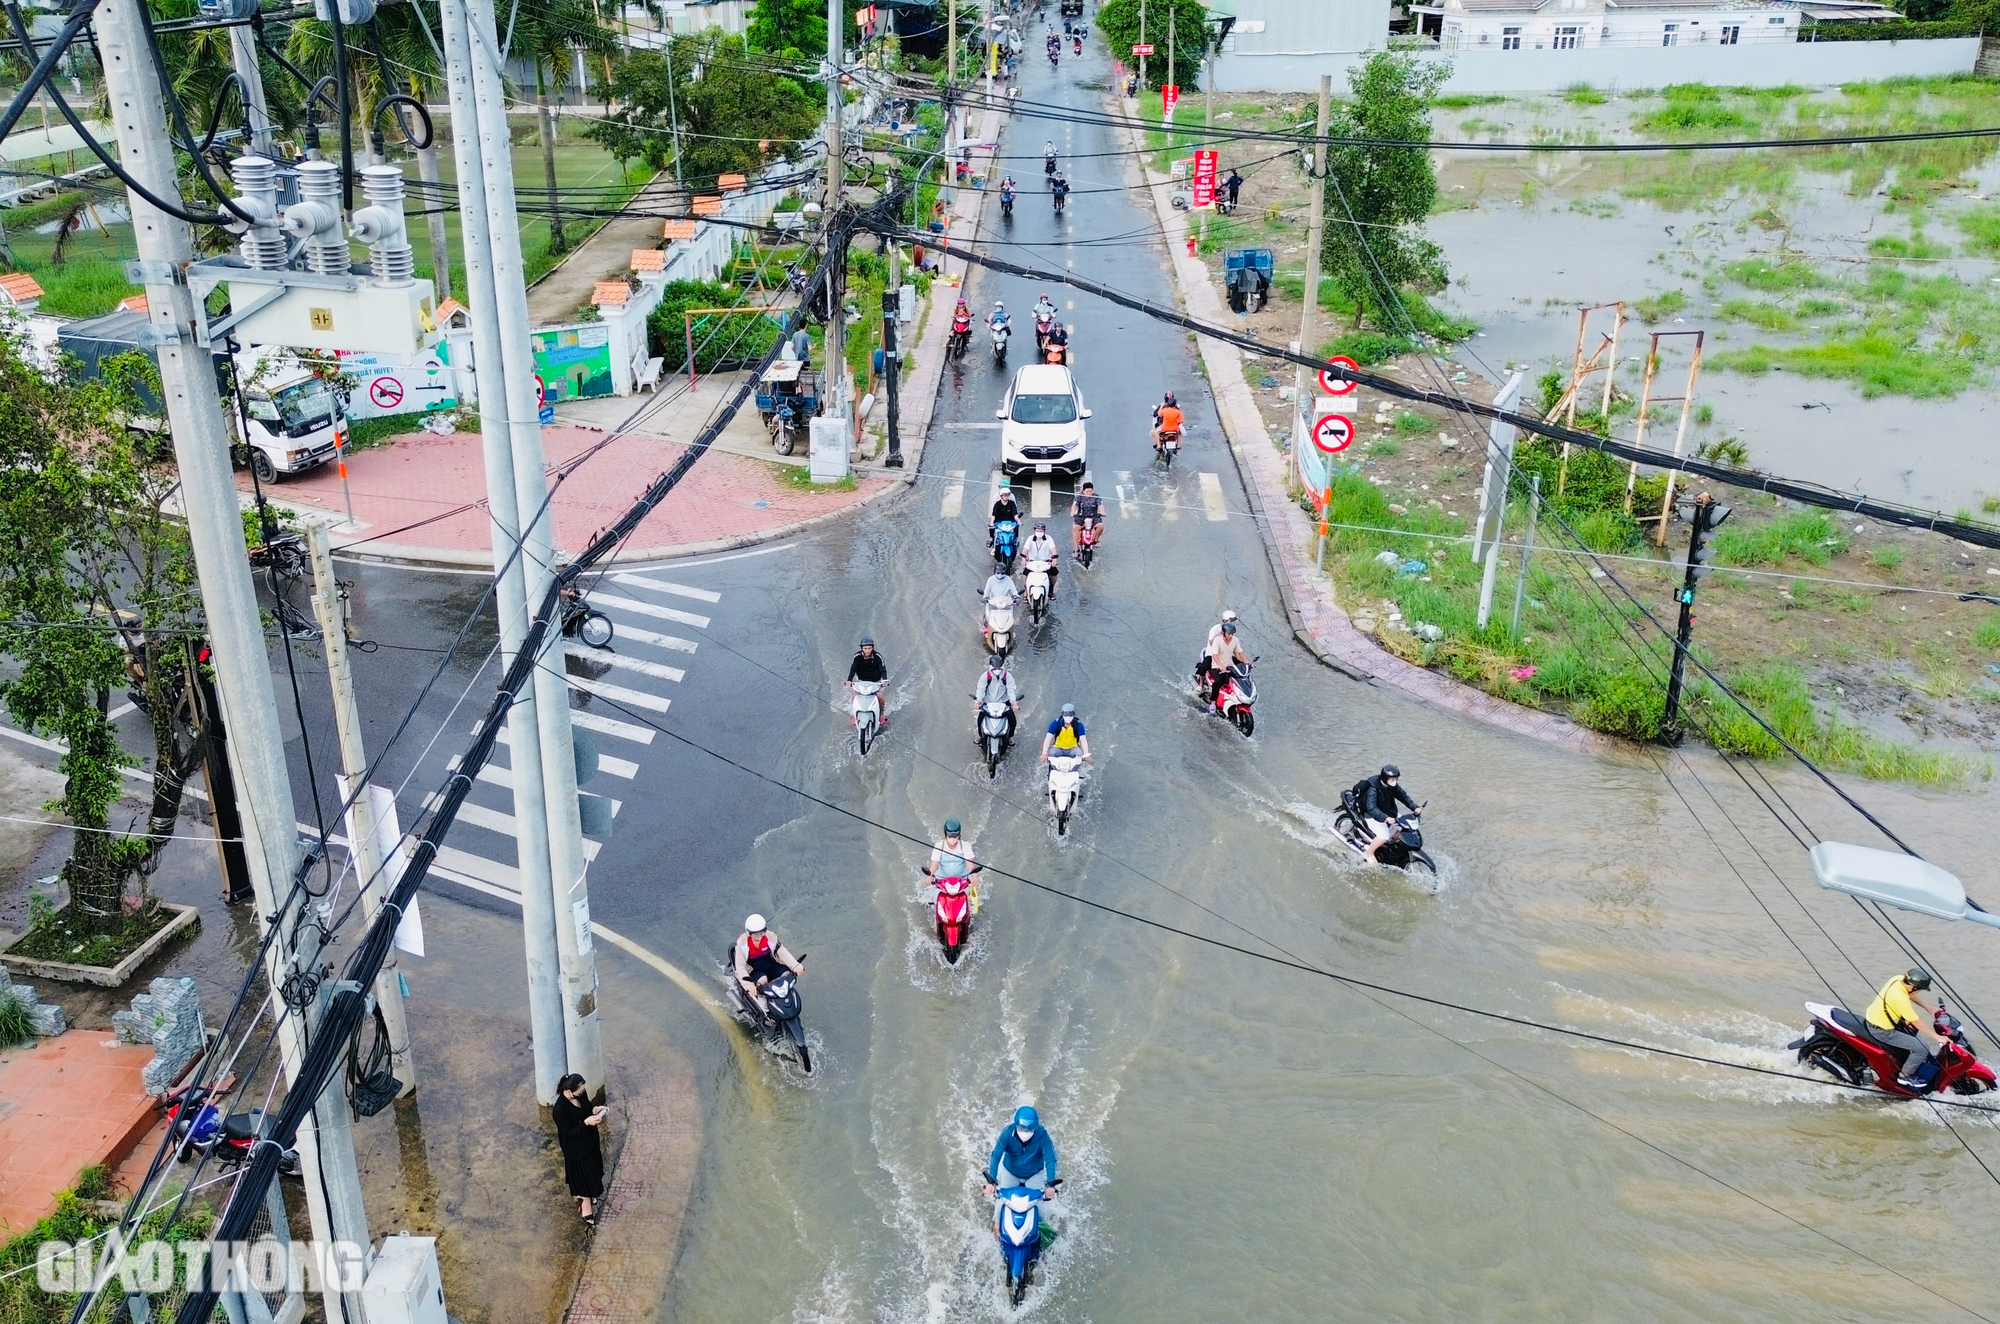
[
  {"x": 1916, "y": 248},
  {"x": 1769, "y": 316},
  {"x": 1692, "y": 108},
  {"x": 1366, "y": 347},
  {"x": 1886, "y": 558},
  {"x": 77, "y": 1219},
  {"x": 1411, "y": 425},
  {"x": 1873, "y": 360},
  {"x": 1987, "y": 636},
  {"x": 1808, "y": 535},
  {"x": 1777, "y": 692},
  {"x": 799, "y": 476},
  {"x": 1583, "y": 94},
  {"x": 1774, "y": 277},
  {"x": 1462, "y": 100},
  {"x": 14, "y": 1024},
  {"x": 1385, "y": 446},
  {"x": 1659, "y": 307}
]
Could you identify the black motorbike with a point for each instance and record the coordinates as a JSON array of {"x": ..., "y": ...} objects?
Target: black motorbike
[
  {"x": 1403, "y": 850},
  {"x": 781, "y": 995},
  {"x": 581, "y": 621}
]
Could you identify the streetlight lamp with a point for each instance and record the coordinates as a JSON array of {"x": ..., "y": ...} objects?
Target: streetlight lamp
[{"x": 1895, "y": 879}]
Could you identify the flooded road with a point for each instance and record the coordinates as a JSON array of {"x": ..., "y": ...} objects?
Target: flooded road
[{"x": 1241, "y": 1139}]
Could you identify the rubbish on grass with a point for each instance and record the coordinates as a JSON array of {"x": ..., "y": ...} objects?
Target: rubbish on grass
[
  {"x": 1522, "y": 673},
  {"x": 1389, "y": 559},
  {"x": 1412, "y": 567}
]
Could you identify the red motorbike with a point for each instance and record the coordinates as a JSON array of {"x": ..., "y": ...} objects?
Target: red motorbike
[
  {"x": 1087, "y": 535},
  {"x": 1839, "y": 1044},
  {"x": 954, "y": 915},
  {"x": 1230, "y": 696},
  {"x": 201, "y": 1128}
]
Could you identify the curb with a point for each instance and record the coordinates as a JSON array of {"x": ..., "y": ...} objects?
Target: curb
[{"x": 1317, "y": 619}]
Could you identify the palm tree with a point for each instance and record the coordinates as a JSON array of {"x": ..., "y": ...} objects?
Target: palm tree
[{"x": 546, "y": 33}]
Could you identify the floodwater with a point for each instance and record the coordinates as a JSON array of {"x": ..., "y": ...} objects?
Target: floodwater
[
  {"x": 1240, "y": 1139},
  {"x": 1522, "y": 269}
]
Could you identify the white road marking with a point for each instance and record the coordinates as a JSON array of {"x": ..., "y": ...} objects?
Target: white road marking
[
  {"x": 502, "y": 880},
  {"x": 1211, "y": 497},
  {"x": 672, "y": 641},
  {"x": 1124, "y": 494},
  {"x": 606, "y": 763},
  {"x": 954, "y": 496},
  {"x": 644, "y": 668},
  {"x": 972, "y": 427},
  {"x": 619, "y": 694},
  {"x": 668, "y": 586},
  {"x": 1038, "y": 502},
  {"x": 1069, "y": 305},
  {"x": 1170, "y": 509},
  {"x": 618, "y": 603},
  {"x": 611, "y": 726},
  {"x": 118, "y": 712}
]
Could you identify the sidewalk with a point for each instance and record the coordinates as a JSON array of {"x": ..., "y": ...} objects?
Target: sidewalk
[
  {"x": 1316, "y": 616},
  {"x": 606, "y": 255}
]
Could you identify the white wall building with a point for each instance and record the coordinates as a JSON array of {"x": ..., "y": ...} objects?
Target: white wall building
[
  {"x": 1523, "y": 25},
  {"x": 1285, "y": 45}
]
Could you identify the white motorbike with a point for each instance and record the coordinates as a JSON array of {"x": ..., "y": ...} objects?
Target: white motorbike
[
  {"x": 867, "y": 712},
  {"x": 999, "y": 629},
  {"x": 1001, "y": 334},
  {"x": 1065, "y": 784},
  {"x": 1038, "y": 588},
  {"x": 993, "y": 735}
]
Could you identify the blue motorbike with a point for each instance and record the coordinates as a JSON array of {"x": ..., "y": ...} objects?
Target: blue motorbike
[
  {"x": 1006, "y": 535},
  {"x": 1022, "y": 1234}
]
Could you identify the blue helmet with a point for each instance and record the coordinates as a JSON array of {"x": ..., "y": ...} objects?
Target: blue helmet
[{"x": 1026, "y": 1117}]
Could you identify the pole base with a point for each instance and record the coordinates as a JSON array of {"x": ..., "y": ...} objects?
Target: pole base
[
  {"x": 892, "y": 461},
  {"x": 1671, "y": 735}
]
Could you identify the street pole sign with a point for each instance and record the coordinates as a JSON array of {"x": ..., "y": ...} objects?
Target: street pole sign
[
  {"x": 1333, "y": 385},
  {"x": 1170, "y": 96},
  {"x": 1204, "y": 178},
  {"x": 1142, "y": 48},
  {"x": 1333, "y": 433}
]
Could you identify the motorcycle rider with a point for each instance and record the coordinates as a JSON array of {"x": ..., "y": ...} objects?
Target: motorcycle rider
[
  {"x": 1022, "y": 1156},
  {"x": 1006, "y": 191},
  {"x": 996, "y": 685},
  {"x": 1903, "y": 1018},
  {"x": 998, "y": 317},
  {"x": 1066, "y": 733},
  {"x": 1049, "y": 148},
  {"x": 1000, "y": 592},
  {"x": 1055, "y": 345},
  {"x": 1044, "y": 310},
  {"x": 1208, "y": 646},
  {"x": 961, "y": 320},
  {"x": 1040, "y": 551},
  {"x": 760, "y": 958},
  {"x": 1087, "y": 510},
  {"x": 952, "y": 858},
  {"x": 1378, "y": 797},
  {"x": 1004, "y": 507},
  {"x": 1223, "y": 654},
  {"x": 1166, "y": 418},
  {"x": 1059, "y": 188},
  {"x": 869, "y": 666}
]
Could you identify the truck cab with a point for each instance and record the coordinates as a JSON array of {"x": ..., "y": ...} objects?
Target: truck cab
[{"x": 295, "y": 420}]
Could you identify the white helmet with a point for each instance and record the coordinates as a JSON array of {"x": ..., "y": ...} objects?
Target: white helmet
[
  {"x": 755, "y": 924},
  {"x": 1228, "y": 615}
]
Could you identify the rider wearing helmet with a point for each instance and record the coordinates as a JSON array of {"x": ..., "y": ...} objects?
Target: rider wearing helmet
[
  {"x": 1022, "y": 1156},
  {"x": 1378, "y": 797},
  {"x": 1214, "y": 638},
  {"x": 1044, "y": 310},
  {"x": 869, "y": 666},
  {"x": 961, "y": 317},
  {"x": 1004, "y": 507},
  {"x": 952, "y": 858},
  {"x": 1066, "y": 733},
  {"x": 1167, "y": 418},
  {"x": 1903, "y": 1018},
  {"x": 998, "y": 317},
  {"x": 996, "y": 685},
  {"x": 760, "y": 958},
  {"x": 1040, "y": 552},
  {"x": 1223, "y": 653},
  {"x": 1086, "y": 510}
]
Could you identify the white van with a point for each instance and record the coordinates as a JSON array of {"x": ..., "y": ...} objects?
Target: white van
[{"x": 1041, "y": 423}]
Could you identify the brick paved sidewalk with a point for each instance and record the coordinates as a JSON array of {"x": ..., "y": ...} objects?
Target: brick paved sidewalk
[
  {"x": 70, "y": 1102},
  {"x": 1316, "y": 615}
]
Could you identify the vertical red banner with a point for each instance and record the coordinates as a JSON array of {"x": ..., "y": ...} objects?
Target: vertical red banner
[{"x": 1204, "y": 179}]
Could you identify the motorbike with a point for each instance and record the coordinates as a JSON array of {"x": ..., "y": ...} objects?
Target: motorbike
[
  {"x": 1037, "y": 590},
  {"x": 781, "y": 995},
  {"x": 867, "y": 712},
  {"x": 1168, "y": 446},
  {"x": 579, "y": 621},
  {"x": 954, "y": 911},
  {"x": 1021, "y": 1233},
  {"x": 1086, "y": 541},
  {"x": 1006, "y": 204},
  {"x": 1065, "y": 784},
  {"x": 1059, "y": 195},
  {"x": 1403, "y": 850},
  {"x": 999, "y": 628},
  {"x": 201, "y": 1128},
  {"x": 1055, "y": 56},
  {"x": 1049, "y": 161},
  {"x": 1043, "y": 324},
  {"x": 1056, "y": 352},
  {"x": 1230, "y": 697},
  {"x": 1079, "y": 44},
  {"x": 1006, "y": 535},
  {"x": 1839, "y": 1044},
  {"x": 961, "y": 337},
  {"x": 1001, "y": 334},
  {"x": 993, "y": 736}
]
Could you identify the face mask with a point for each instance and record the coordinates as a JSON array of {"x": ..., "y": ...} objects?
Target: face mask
[{"x": 1024, "y": 1136}]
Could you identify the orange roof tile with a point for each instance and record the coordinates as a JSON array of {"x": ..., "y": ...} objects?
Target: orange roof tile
[
  {"x": 648, "y": 259},
  {"x": 610, "y": 291},
  {"x": 677, "y": 228},
  {"x": 135, "y": 304},
  {"x": 450, "y": 306},
  {"x": 20, "y": 286},
  {"x": 708, "y": 205},
  {"x": 731, "y": 183}
]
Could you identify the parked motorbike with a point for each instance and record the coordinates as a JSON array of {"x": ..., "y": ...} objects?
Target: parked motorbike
[
  {"x": 1230, "y": 697},
  {"x": 1086, "y": 541},
  {"x": 1065, "y": 784},
  {"x": 781, "y": 995},
  {"x": 1001, "y": 335},
  {"x": 201, "y": 1128},
  {"x": 1403, "y": 850},
  {"x": 953, "y": 910},
  {"x": 1022, "y": 1233},
  {"x": 867, "y": 712},
  {"x": 993, "y": 738},
  {"x": 1839, "y": 1044},
  {"x": 1006, "y": 541},
  {"x": 1037, "y": 590}
]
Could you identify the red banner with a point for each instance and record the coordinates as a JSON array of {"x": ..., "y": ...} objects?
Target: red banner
[
  {"x": 1204, "y": 179},
  {"x": 1170, "y": 96}
]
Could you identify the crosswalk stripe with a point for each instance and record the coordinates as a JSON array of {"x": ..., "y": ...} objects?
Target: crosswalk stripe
[
  {"x": 954, "y": 496},
  {"x": 606, "y": 763},
  {"x": 1124, "y": 494},
  {"x": 1170, "y": 509},
  {"x": 639, "y": 665},
  {"x": 672, "y": 641},
  {"x": 478, "y": 866},
  {"x": 120, "y": 711},
  {"x": 1038, "y": 502},
  {"x": 1211, "y": 497},
  {"x": 619, "y": 694},
  {"x": 611, "y": 726},
  {"x": 668, "y": 586},
  {"x": 620, "y": 603},
  {"x": 493, "y": 820}
]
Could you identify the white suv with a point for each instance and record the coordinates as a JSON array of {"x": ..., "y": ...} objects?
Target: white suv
[{"x": 1041, "y": 422}]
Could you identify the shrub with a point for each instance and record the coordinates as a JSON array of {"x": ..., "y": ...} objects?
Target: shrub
[
  {"x": 1411, "y": 425},
  {"x": 1366, "y": 347},
  {"x": 13, "y": 1022},
  {"x": 1607, "y": 531},
  {"x": 1583, "y": 94},
  {"x": 1565, "y": 673},
  {"x": 1625, "y": 704},
  {"x": 1806, "y": 534},
  {"x": 719, "y": 341}
]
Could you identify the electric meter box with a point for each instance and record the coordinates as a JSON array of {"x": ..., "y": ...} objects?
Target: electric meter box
[
  {"x": 403, "y": 1285},
  {"x": 368, "y": 319}
]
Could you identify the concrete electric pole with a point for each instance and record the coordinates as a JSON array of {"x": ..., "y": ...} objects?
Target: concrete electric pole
[
  {"x": 165, "y": 245},
  {"x": 243, "y": 54},
  {"x": 1315, "y": 228},
  {"x": 836, "y": 326}
]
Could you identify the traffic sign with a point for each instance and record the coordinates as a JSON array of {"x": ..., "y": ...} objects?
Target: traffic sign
[
  {"x": 385, "y": 392},
  {"x": 541, "y": 390},
  {"x": 1333, "y": 433},
  {"x": 1204, "y": 178},
  {"x": 1338, "y": 385},
  {"x": 1170, "y": 95},
  {"x": 1142, "y": 48},
  {"x": 548, "y": 414}
]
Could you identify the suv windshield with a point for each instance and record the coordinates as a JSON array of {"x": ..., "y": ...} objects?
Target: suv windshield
[
  {"x": 304, "y": 407},
  {"x": 1044, "y": 409}
]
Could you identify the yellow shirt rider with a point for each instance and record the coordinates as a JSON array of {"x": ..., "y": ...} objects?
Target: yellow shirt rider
[{"x": 1903, "y": 1017}]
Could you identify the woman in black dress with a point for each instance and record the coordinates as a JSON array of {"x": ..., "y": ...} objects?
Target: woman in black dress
[{"x": 577, "y": 1131}]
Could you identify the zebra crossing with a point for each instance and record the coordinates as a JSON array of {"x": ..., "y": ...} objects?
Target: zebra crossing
[
  {"x": 1151, "y": 496},
  {"x": 639, "y": 675}
]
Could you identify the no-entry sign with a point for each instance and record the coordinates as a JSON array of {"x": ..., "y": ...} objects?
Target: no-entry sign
[
  {"x": 1333, "y": 433},
  {"x": 385, "y": 392},
  {"x": 1337, "y": 385}
]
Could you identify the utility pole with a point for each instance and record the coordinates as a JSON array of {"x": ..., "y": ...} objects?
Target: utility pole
[
  {"x": 531, "y": 840},
  {"x": 950, "y": 70},
  {"x": 1315, "y": 226},
  {"x": 1208, "y": 109},
  {"x": 1704, "y": 515},
  {"x": 557, "y": 751},
  {"x": 243, "y": 54},
  {"x": 1143, "y": 84},
  {"x": 364, "y": 846},
  {"x": 1170, "y": 59},
  {"x": 427, "y": 170},
  {"x": 165, "y": 246},
  {"x": 836, "y": 328},
  {"x": 892, "y": 349}
]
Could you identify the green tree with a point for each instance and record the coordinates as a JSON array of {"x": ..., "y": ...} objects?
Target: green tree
[
  {"x": 549, "y": 33},
  {"x": 795, "y": 30},
  {"x": 1118, "y": 24},
  {"x": 1378, "y": 196},
  {"x": 716, "y": 97}
]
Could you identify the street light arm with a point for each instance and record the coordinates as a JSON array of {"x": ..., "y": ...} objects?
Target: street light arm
[{"x": 1979, "y": 914}]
